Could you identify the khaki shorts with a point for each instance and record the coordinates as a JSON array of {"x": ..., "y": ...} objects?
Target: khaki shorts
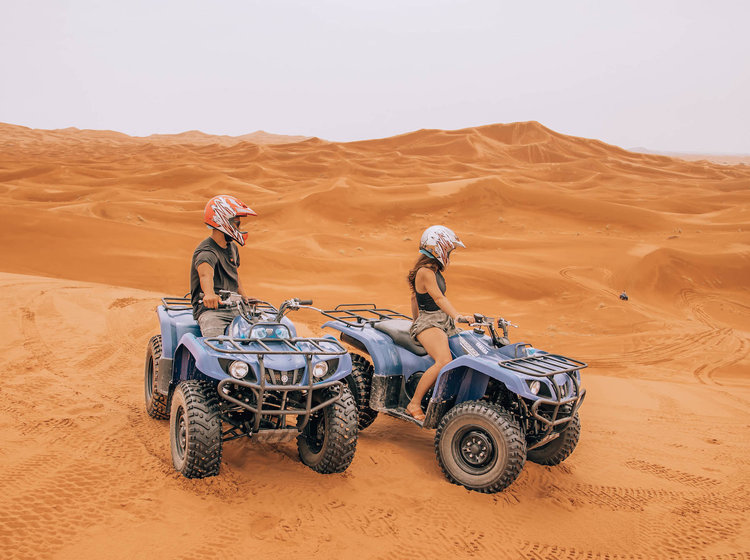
[
  {"x": 429, "y": 319},
  {"x": 213, "y": 322}
]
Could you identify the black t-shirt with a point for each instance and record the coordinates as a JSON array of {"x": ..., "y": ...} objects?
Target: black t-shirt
[{"x": 223, "y": 261}]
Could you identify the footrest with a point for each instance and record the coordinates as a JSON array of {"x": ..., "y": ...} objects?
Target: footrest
[{"x": 401, "y": 414}]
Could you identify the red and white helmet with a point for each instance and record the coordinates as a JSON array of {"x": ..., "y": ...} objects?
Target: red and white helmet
[
  {"x": 220, "y": 211},
  {"x": 438, "y": 242}
]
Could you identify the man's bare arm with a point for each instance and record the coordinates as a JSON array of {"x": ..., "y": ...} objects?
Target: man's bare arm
[{"x": 206, "y": 277}]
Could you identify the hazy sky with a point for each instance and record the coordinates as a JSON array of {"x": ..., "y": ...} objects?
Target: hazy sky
[{"x": 669, "y": 75}]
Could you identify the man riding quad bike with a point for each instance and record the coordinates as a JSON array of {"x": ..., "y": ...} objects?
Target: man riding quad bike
[
  {"x": 493, "y": 406},
  {"x": 257, "y": 380}
]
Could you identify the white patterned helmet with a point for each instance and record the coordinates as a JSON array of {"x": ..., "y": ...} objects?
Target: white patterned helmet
[
  {"x": 438, "y": 242},
  {"x": 220, "y": 213}
]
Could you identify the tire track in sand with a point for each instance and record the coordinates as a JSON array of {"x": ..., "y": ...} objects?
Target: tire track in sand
[{"x": 671, "y": 475}]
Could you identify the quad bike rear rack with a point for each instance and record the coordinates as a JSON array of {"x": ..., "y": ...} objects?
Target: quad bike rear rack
[
  {"x": 361, "y": 314},
  {"x": 267, "y": 378},
  {"x": 548, "y": 366},
  {"x": 177, "y": 303}
]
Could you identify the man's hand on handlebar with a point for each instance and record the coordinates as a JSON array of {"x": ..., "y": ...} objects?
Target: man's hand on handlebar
[
  {"x": 224, "y": 298},
  {"x": 211, "y": 301}
]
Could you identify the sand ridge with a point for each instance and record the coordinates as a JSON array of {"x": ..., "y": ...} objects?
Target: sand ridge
[{"x": 97, "y": 226}]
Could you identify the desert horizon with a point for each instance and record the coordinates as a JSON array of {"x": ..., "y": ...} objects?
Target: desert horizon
[
  {"x": 194, "y": 136},
  {"x": 98, "y": 226}
]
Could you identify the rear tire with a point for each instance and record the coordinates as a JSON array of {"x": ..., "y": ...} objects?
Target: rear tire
[
  {"x": 195, "y": 430},
  {"x": 156, "y": 403},
  {"x": 359, "y": 383},
  {"x": 479, "y": 445},
  {"x": 328, "y": 441},
  {"x": 560, "y": 448}
]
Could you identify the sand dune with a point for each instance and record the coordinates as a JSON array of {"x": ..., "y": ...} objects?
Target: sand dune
[
  {"x": 97, "y": 226},
  {"x": 727, "y": 159}
]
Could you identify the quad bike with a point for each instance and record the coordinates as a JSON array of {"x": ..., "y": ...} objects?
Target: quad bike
[
  {"x": 259, "y": 380},
  {"x": 493, "y": 406}
]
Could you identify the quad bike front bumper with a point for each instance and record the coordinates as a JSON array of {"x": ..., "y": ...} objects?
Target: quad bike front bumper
[
  {"x": 278, "y": 394},
  {"x": 315, "y": 397},
  {"x": 562, "y": 375}
]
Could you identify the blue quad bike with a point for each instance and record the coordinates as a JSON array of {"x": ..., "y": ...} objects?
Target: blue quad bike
[
  {"x": 494, "y": 406},
  {"x": 259, "y": 380}
]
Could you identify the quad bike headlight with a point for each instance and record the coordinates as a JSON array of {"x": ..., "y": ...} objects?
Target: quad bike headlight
[
  {"x": 238, "y": 370},
  {"x": 320, "y": 369},
  {"x": 281, "y": 332},
  {"x": 261, "y": 332},
  {"x": 269, "y": 331},
  {"x": 534, "y": 386}
]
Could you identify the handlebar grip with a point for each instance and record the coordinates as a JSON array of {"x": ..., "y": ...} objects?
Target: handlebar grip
[
  {"x": 305, "y": 302},
  {"x": 221, "y": 302},
  {"x": 463, "y": 319}
]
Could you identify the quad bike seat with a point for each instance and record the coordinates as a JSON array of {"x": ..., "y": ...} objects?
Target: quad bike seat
[{"x": 398, "y": 330}]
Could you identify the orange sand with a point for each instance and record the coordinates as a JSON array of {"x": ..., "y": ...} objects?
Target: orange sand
[{"x": 97, "y": 226}]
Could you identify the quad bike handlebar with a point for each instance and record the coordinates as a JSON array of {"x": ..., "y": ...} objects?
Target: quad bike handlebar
[
  {"x": 230, "y": 299},
  {"x": 294, "y": 304},
  {"x": 251, "y": 307},
  {"x": 482, "y": 322}
]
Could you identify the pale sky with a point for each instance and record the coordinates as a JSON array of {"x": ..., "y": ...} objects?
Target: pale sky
[{"x": 667, "y": 75}]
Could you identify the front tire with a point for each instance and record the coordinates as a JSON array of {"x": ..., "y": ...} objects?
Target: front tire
[
  {"x": 328, "y": 441},
  {"x": 156, "y": 403},
  {"x": 560, "y": 448},
  {"x": 195, "y": 430},
  {"x": 479, "y": 445},
  {"x": 359, "y": 383}
]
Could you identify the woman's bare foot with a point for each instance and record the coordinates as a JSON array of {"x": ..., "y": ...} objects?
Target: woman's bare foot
[{"x": 415, "y": 411}]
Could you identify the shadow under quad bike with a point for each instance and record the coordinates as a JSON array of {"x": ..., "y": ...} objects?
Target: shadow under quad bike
[
  {"x": 259, "y": 380},
  {"x": 493, "y": 406}
]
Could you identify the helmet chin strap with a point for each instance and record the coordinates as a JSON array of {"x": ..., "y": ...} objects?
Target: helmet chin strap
[
  {"x": 228, "y": 238},
  {"x": 427, "y": 253}
]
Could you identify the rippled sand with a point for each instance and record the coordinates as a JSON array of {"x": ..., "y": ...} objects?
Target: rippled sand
[{"x": 97, "y": 226}]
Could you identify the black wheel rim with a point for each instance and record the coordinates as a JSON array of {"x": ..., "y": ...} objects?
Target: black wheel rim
[
  {"x": 475, "y": 450},
  {"x": 315, "y": 432},
  {"x": 180, "y": 433},
  {"x": 149, "y": 378}
]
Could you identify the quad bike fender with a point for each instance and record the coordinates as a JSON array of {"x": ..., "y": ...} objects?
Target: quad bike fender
[
  {"x": 387, "y": 358},
  {"x": 191, "y": 349},
  {"x": 467, "y": 377},
  {"x": 174, "y": 325}
]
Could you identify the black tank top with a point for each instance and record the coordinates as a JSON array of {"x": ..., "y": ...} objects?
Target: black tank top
[{"x": 425, "y": 301}]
